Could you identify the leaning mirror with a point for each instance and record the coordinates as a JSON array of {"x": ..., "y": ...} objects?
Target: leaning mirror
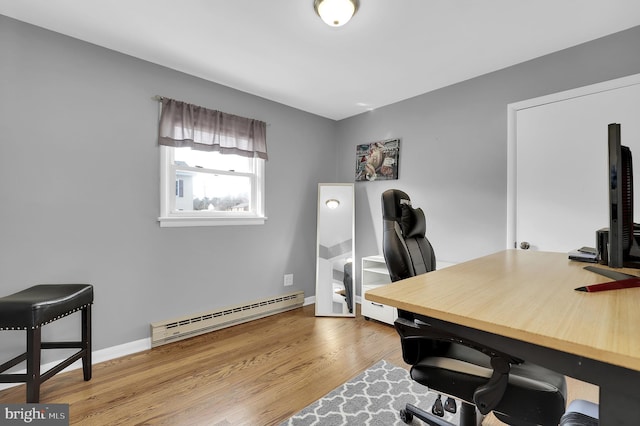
[{"x": 335, "y": 286}]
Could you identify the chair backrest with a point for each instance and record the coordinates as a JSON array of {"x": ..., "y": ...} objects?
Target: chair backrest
[{"x": 406, "y": 250}]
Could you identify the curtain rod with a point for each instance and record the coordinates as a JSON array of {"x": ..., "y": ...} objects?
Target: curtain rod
[{"x": 160, "y": 98}]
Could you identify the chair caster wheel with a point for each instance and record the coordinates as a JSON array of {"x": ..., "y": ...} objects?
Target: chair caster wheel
[
  {"x": 367, "y": 318},
  {"x": 406, "y": 416}
]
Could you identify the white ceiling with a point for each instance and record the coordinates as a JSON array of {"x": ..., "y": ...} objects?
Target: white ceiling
[{"x": 280, "y": 50}]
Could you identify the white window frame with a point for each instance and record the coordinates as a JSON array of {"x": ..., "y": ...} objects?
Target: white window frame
[{"x": 171, "y": 217}]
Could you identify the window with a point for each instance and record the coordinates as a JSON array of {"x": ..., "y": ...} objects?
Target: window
[
  {"x": 202, "y": 188},
  {"x": 211, "y": 166}
]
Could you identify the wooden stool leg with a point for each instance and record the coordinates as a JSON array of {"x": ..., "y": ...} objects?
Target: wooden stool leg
[
  {"x": 86, "y": 342},
  {"x": 33, "y": 364}
]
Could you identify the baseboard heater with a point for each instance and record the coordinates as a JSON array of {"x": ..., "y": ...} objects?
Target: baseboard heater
[{"x": 164, "y": 332}]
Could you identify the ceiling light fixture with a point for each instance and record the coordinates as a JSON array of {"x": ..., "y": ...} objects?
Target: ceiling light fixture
[
  {"x": 332, "y": 203},
  {"x": 335, "y": 13}
]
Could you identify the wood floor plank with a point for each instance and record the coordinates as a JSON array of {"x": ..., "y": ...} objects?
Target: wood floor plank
[{"x": 258, "y": 373}]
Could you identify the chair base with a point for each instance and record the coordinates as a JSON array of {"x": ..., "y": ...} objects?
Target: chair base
[
  {"x": 33, "y": 377},
  {"x": 468, "y": 416}
]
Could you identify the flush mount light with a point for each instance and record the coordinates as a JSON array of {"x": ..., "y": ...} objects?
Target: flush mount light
[
  {"x": 335, "y": 12},
  {"x": 332, "y": 203}
]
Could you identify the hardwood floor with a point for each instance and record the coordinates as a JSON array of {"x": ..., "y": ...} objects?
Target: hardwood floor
[{"x": 258, "y": 373}]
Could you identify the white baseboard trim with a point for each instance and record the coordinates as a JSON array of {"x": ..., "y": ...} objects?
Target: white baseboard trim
[
  {"x": 97, "y": 357},
  {"x": 118, "y": 351}
]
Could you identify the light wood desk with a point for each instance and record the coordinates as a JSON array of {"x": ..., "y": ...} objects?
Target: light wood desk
[{"x": 524, "y": 303}]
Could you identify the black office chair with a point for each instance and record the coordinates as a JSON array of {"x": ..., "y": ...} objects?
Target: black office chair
[{"x": 517, "y": 392}]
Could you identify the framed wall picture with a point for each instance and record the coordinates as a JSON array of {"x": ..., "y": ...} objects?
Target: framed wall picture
[{"x": 377, "y": 160}]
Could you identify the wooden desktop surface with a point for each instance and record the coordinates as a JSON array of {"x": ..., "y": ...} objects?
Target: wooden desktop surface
[{"x": 530, "y": 296}]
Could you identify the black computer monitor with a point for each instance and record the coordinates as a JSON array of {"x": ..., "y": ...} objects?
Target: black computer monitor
[{"x": 623, "y": 249}]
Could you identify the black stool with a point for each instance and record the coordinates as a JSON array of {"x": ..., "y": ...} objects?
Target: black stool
[{"x": 34, "y": 307}]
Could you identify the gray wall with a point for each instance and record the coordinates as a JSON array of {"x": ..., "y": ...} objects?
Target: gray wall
[
  {"x": 453, "y": 149},
  {"x": 80, "y": 188}
]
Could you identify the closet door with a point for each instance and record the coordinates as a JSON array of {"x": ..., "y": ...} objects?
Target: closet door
[{"x": 561, "y": 195}]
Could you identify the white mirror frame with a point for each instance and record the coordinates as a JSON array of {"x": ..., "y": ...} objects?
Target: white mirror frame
[{"x": 335, "y": 247}]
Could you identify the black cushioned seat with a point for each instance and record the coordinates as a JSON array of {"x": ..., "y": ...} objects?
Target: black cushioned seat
[
  {"x": 532, "y": 392},
  {"x": 34, "y": 307},
  {"x": 41, "y": 304}
]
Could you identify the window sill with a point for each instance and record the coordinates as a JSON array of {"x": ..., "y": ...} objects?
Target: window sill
[{"x": 177, "y": 222}]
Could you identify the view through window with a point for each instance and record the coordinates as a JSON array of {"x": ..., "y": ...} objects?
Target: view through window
[{"x": 207, "y": 184}]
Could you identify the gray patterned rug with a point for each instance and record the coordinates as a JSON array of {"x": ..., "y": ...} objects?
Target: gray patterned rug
[{"x": 372, "y": 398}]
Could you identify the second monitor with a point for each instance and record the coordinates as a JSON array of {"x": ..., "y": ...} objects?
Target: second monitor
[{"x": 622, "y": 249}]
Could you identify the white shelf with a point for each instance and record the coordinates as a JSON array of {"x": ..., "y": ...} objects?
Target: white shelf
[
  {"x": 377, "y": 270},
  {"x": 374, "y": 275}
]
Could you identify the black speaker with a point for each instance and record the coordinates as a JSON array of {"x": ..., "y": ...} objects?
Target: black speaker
[{"x": 602, "y": 245}]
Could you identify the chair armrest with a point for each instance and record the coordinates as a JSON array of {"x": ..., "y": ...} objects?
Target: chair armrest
[{"x": 415, "y": 334}]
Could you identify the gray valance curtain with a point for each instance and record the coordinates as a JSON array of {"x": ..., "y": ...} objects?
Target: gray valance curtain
[{"x": 187, "y": 125}]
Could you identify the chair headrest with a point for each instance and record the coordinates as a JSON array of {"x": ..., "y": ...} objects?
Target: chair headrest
[
  {"x": 396, "y": 206},
  {"x": 392, "y": 200}
]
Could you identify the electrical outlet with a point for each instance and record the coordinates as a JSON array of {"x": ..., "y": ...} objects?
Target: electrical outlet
[{"x": 288, "y": 280}]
